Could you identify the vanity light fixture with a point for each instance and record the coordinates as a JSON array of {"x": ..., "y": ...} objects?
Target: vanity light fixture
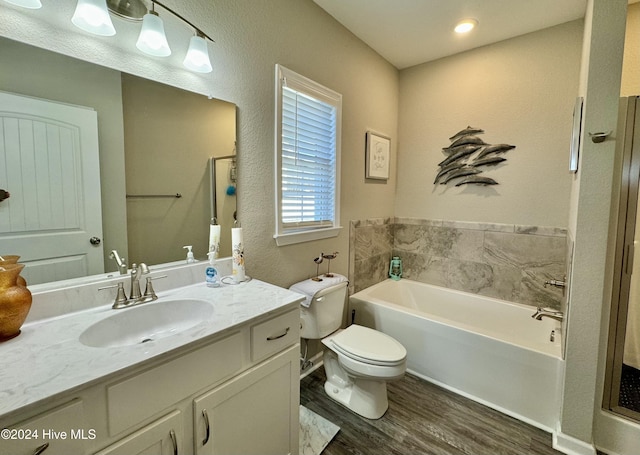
[
  {"x": 197, "y": 58},
  {"x": 465, "y": 25},
  {"x": 31, "y": 4},
  {"x": 152, "y": 39},
  {"x": 92, "y": 16}
]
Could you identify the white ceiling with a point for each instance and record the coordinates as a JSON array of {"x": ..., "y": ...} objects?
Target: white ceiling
[{"x": 410, "y": 32}]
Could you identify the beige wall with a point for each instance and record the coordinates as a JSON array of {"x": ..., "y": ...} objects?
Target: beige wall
[
  {"x": 521, "y": 92},
  {"x": 631, "y": 64}
]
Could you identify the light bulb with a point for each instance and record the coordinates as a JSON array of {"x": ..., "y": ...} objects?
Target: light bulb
[
  {"x": 92, "y": 16},
  {"x": 197, "y": 58},
  {"x": 465, "y": 26},
  {"x": 152, "y": 39}
]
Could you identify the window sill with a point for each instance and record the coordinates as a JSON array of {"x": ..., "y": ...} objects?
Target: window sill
[{"x": 306, "y": 236}]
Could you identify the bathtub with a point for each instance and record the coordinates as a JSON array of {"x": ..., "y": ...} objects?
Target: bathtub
[{"x": 486, "y": 349}]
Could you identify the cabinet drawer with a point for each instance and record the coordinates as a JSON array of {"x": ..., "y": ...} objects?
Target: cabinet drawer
[
  {"x": 274, "y": 335},
  {"x": 63, "y": 428}
]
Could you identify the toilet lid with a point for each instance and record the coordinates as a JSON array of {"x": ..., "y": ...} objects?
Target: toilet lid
[{"x": 369, "y": 345}]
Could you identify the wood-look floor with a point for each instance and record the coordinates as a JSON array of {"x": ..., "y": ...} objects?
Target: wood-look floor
[{"x": 423, "y": 419}]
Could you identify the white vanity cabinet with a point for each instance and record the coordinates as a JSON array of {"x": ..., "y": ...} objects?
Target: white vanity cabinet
[
  {"x": 49, "y": 433},
  {"x": 257, "y": 411},
  {"x": 244, "y": 380},
  {"x": 162, "y": 437}
]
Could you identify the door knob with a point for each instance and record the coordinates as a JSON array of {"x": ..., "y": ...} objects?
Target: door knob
[{"x": 95, "y": 241}]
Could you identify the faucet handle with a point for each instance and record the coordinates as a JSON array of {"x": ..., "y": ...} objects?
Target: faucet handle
[
  {"x": 121, "y": 298},
  {"x": 149, "y": 292}
]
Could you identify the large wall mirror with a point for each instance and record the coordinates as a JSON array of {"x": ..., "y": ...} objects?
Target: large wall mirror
[{"x": 156, "y": 145}]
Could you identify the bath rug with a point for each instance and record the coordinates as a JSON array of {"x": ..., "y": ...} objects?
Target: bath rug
[{"x": 315, "y": 432}]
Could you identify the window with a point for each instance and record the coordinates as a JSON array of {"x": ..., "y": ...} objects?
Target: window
[{"x": 308, "y": 118}]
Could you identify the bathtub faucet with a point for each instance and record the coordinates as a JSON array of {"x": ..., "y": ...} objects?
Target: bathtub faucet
[
  {"x": 547, "y": 313},
  {"x": 557, "y": 283}
]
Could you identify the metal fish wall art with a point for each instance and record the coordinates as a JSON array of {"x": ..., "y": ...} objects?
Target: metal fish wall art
[
  {"x": 477, "y": 180},
  {"x": 467, "y": 156}
]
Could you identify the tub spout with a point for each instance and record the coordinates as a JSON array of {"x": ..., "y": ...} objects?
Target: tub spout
[{"x": 547, "y": 313}]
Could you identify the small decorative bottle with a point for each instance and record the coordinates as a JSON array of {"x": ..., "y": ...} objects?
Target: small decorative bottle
[
  {"x": 395, "y": 268},
  {"x": 211, "y": 274}
]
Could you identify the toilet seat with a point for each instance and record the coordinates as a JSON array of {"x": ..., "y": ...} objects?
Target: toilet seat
[{"x": 369, "y": 346}]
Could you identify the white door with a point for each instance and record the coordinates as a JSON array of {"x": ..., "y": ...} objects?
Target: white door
[{"x": 49, "y": 164}]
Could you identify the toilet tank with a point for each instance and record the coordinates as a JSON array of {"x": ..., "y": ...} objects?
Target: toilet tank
[{"x": 324, "y": 315}]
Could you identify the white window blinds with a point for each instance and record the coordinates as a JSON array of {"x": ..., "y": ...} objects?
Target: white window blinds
[
  {"x": 308, "y": 160},
  {"x": 307, "y": 155}
]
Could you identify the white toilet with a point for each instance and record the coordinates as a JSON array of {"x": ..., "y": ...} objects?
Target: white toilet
[{"x": 359, "y": 361}]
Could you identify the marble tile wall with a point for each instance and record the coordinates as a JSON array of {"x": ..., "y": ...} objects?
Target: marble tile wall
[
  {"x": 506, "y": 261},
  {"x": 370, "y": 249}
]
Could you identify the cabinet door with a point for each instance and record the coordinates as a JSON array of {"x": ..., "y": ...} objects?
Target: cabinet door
[
  {"x": 57, "y": 432},
  {"x": 162, "y": 437},
  {"x": 254, "y": 413}
]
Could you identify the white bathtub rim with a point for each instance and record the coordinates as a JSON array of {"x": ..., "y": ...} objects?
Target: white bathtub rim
[
  {"x": 368, "y": 289},
  {"x": 552, "y": 349}
]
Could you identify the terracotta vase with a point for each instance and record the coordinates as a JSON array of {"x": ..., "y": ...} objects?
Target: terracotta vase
[
  {"x": 12, "y": 259},
  {"x": 15, "y": 301}
]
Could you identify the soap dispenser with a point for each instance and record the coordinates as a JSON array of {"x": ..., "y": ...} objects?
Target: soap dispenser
[
  {"x": 190, "y": 258},
  {"x": 395, "y": 268},
  {"x": 211, "y": 274}
]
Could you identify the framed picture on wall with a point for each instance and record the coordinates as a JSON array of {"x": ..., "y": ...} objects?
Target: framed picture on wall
[
  {"x": 377, "y": 156},
  {"x": 575, "y": 134}
]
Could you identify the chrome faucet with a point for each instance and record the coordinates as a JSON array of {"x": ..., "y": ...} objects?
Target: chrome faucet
[
  {"x": 135, "y": 297},
  {"x": 547, "y": 313},
  {"x": 122, "y": 262},
  {"x": 136, "y": 272},
  {"x": 557, "y": 283}
]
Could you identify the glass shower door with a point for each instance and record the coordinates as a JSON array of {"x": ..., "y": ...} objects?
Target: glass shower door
[{"x": 622, "y": 388}]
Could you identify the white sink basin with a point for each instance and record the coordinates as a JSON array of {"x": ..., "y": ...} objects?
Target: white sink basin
[{"x": 146, "y": 322}]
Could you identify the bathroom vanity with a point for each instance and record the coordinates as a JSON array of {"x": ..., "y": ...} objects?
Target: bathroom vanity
[{"x": 229, "y": 383}]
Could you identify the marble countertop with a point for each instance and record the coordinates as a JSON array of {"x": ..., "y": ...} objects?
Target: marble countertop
[{"x": 48, "y": 359}]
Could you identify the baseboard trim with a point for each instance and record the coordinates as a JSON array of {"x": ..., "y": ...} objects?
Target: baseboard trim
[{"x": 572, "y": 446}]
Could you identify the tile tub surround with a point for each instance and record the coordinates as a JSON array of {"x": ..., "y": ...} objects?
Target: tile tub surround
[
  {"x": 370, "y": 249},
  {"x": 505, "y": 261}
]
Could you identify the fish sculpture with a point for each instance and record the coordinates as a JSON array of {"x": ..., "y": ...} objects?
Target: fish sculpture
[
  {"x": 468, "y": 131},
  {"x": 488, "y": 161},
  {"x": 466, "y": 155},
  {"x": 462, "y": 152},
  {"x": 462, "y": 172},
  {"x": 446, "y": 169},
  {"x": 498, "y": 148},
  {"x": 464, "y": 140},
  {"x": 477, "y": 180}
]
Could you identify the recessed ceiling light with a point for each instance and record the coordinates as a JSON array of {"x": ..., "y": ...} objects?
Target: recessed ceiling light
[{"x": 465, "y": 25}]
